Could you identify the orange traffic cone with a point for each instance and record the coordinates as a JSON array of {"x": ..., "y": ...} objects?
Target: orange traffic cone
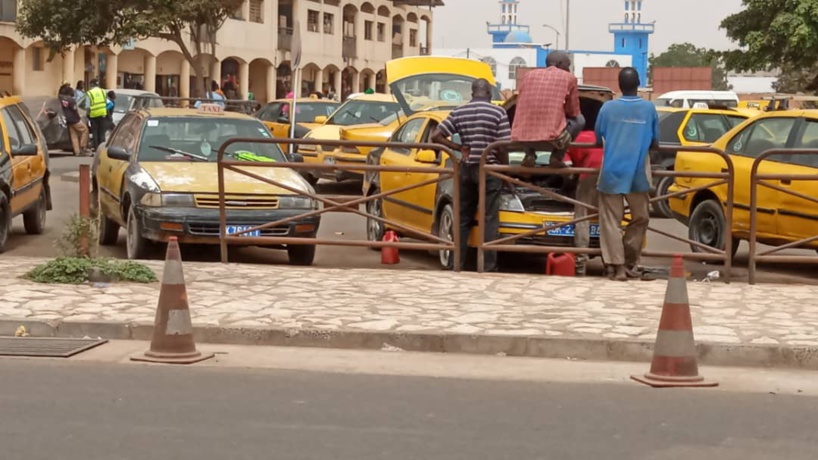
[
  {"x": 674, "y": 356},
  {"x": 390, "y": 256},
  {"x": 172, "y": 341}
]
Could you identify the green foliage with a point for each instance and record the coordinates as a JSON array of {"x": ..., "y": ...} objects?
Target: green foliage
[
  {"x": 688, "y": 55},
  {"x": 773, "y": 34},
  {"x": 795, "y": 81},
  {"x": 76, "y": 230},
  {"x": 75, "y": 270}
]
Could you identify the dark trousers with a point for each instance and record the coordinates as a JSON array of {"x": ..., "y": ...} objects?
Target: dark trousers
[
  {"x": 469, "y": 200},
  {"x": 574, "y": 126},
  {"x": 98, "y": 131}
]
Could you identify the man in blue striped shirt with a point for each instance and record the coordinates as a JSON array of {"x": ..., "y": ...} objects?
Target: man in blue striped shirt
[{"x": 479, "y": 124}]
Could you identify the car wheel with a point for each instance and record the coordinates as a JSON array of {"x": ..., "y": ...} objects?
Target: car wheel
[
  {"x": 34, "y": 219},
  {"x": 374, "y": 229},
  {"x": 137, "y": 246},
  {"x": 708, "y": 226},
  {"x": 5, "y": 222},
  {"x": 107, "y": 229},
  {"x": 445, "y": 230},
  {"x": 301, "y": 254},
  {"x": 662, "y": 207}
]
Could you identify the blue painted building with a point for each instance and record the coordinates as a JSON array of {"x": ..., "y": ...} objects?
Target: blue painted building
[{"x": 512, "y": 45}]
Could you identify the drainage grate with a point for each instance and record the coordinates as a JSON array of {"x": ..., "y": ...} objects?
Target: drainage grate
[{"x": 50, "y": 347}]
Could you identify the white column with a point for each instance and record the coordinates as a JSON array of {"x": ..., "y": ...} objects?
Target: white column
[
  {"x": 79, "y": 65},
  {"x": 429, "y": 37},
  {"x": 356, "y": 82},
  {"x": 68, "y": 68},
  {"x": 244, "y": 79},
  {"x": 270, "y": 84},
  {"x": 184, "y": 79},
  {"x": 19, "y": 72},
  {"x": 338, "y": 81},
  {"x": 215, "y": 73},
  {"x": 245, "y": 10},
  {"x": 111, "y": 69},
  {"x": 150, "y": 73},
  {"x": 319, "y": 81},
  {"x": 371, "y": 81}
]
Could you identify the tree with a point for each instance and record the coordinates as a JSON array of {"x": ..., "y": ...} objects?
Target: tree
[
  {"x": 688, "y": 55},
  {"x": 62, "y": 24},
  {"x": 795, "y": 81},
  {"x": 774, "y": 34}
]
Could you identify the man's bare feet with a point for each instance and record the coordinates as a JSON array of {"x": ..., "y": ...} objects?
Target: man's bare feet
[{"x": 620, "y": 274}]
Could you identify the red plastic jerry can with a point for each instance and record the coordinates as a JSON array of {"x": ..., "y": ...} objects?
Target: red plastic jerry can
[
  {"x": 561, "y": 265},
  {"x": 390, "y": 256}
]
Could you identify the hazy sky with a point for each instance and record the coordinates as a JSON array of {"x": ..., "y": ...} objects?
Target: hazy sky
[{"x": 462, "y": 23}]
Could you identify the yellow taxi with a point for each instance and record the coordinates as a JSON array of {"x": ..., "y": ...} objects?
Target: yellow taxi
[
  {"x": 309, "y": 114},
  {"x": 697, "y": 126},
  {"x": 420, "y": 83},
  {"x": 157, "y": 177},
  {"x": 782, "y": 217},
  {"x": 24, "y": 170},
  {"x": 357, "y": 110},
  {"x": 429, "y": 209}
]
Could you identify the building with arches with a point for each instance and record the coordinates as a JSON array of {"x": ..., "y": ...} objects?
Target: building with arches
[
  {"x": 345, "y": 47},
  {"x": 512, "y": 45}
]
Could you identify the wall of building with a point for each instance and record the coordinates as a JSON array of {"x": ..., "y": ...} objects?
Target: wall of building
[
  {"x": 581, "y": 61},
  {"x": 666, "y": 79}
]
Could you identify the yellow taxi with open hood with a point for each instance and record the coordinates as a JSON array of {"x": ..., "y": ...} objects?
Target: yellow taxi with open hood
[
  {"x": 419, "y": 84},
  {"x": 157, "y": 176}
]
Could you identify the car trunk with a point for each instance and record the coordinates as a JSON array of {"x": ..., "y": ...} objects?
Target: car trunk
[{"x": 591, "y": 99}]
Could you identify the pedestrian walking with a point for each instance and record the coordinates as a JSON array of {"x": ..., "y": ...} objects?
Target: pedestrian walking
[
  {"x": 79, "y": 95},
  {"x": 548, "y": 110},
  {"x": 479, "y": 123},
  {"x": 586, "y": 192},
  {"x": 627, "y": 128},
  {"x": 214, "y": 96},
  {"x": 77, "y": 130},
  {"x": 109, "y": 107},
  {"x": 97, "y": 113}
]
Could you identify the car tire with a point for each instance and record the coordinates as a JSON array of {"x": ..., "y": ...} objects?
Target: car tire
[
  {"x": 662, "y": 208},
  {"x": 374, "y": 229},
  {"x": 107, "y": 229},
  {"x": 708, "y": 226},
  {"x": 312, "y": 180},
  {"x": 5, "y": 222},
  {"x": 301, "y": 254},
  {"x": 445, "y": 230},
  {"x": 34, "y": 219},
  {"x": 137, "y": 246}
]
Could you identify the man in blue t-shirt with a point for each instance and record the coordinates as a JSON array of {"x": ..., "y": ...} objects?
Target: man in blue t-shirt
[{"x": 627, "y": 128}]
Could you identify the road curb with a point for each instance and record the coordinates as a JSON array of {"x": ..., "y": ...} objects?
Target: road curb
[
  {"x": 591, "y": 349},
  {"x": 70, "y": 177}
]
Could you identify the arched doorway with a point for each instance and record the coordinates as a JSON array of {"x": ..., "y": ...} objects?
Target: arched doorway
[
  {"x": 350, "y": 82},
  {"x": 168, "y": 73},
  {"x": 230, "y": 78},
  {"x": 284, "y": 80},
  {"x": 8, "y": 49},
  {"x": 367, "y": 80},
  {"x": 260, "y": 82}
]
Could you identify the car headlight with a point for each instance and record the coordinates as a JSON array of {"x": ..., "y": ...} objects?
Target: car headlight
[
  {"x": 168, "y": 199},
  {"x": 144, "y": 180},
  {"x": 510, "y": 202},
  {"x": 296, "y": 202}
]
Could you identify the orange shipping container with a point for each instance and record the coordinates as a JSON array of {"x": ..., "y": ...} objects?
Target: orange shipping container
[{"x": 666, "y": 79}]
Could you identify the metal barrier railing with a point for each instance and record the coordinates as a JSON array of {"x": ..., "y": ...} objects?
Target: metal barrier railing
[
  {"x": 509, "y": 243},
  {"x": 435, "y": 243},
  {"x": 757, "y": 180}
]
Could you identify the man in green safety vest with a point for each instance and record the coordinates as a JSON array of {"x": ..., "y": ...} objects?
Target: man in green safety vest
[{"x": 97, "y": 113}]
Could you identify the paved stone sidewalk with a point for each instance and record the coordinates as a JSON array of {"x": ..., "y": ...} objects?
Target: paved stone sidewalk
[{"x": 427, "y": 302}]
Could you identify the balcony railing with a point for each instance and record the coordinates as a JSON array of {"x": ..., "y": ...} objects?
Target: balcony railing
[
  {"x": 424, "y": 50},
  {"x": 349, "y": 51},
  {"x": 8, "y": 10},
  {"x": 285, "y": 39}
]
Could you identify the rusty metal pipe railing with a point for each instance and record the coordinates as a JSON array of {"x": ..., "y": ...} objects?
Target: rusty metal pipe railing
[
  {"x": 443, "y": 172},
  {"x": 757, "y": 179},
  {"x": 723, "y": 178}
]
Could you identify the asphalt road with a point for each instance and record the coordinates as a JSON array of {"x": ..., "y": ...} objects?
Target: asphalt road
[
  {"x": 350, "y": 226},
  {"x": 121, "y": 412}
]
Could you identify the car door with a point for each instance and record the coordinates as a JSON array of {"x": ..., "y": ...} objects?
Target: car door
[
  {"x": 420, "y": 214},
  {"x": 798, "y": 217},
  {"x": 394, "y": 206},
  {"x": 110, "y": 171},
  {"x": 21, "y": 190},
  {"x": 704, "y": 128},
  {"x": 744, "y": 148}
]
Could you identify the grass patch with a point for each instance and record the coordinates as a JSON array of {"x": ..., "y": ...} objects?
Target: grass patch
[{"x": 75, "y": 270}]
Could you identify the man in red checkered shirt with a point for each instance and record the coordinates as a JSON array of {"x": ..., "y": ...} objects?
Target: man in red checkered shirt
[{"x": 548, "y": 109}]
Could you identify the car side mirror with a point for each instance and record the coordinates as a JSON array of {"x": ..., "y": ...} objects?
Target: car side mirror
[
  {"x": 321, "y": 119},
  {"x": 296, "y": 158},
  {"x": 25, "y": 150},
  {"x": 284, "y": 120},
  {"x": 118, "y": 153},
  {"x": 426, "y": 156}
]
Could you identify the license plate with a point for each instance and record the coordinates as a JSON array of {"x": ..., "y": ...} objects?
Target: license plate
[
  {"x": 233, "y": 229},
  {"x": 568, "y": 230}
]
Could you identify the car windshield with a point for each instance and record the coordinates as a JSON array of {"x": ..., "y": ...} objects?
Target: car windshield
[
  {"x": 199, "y": 139},
  {"x": 307, "y": 111},
  {"x": 391, "y": 118},
  {"x": 358, "y": 112},
  {"x": 437, "y": 91}
]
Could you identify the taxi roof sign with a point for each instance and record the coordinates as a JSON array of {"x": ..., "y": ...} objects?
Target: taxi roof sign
[
  {"x": 701, "y": 105},
  {"x": 211, "y": 109}
]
